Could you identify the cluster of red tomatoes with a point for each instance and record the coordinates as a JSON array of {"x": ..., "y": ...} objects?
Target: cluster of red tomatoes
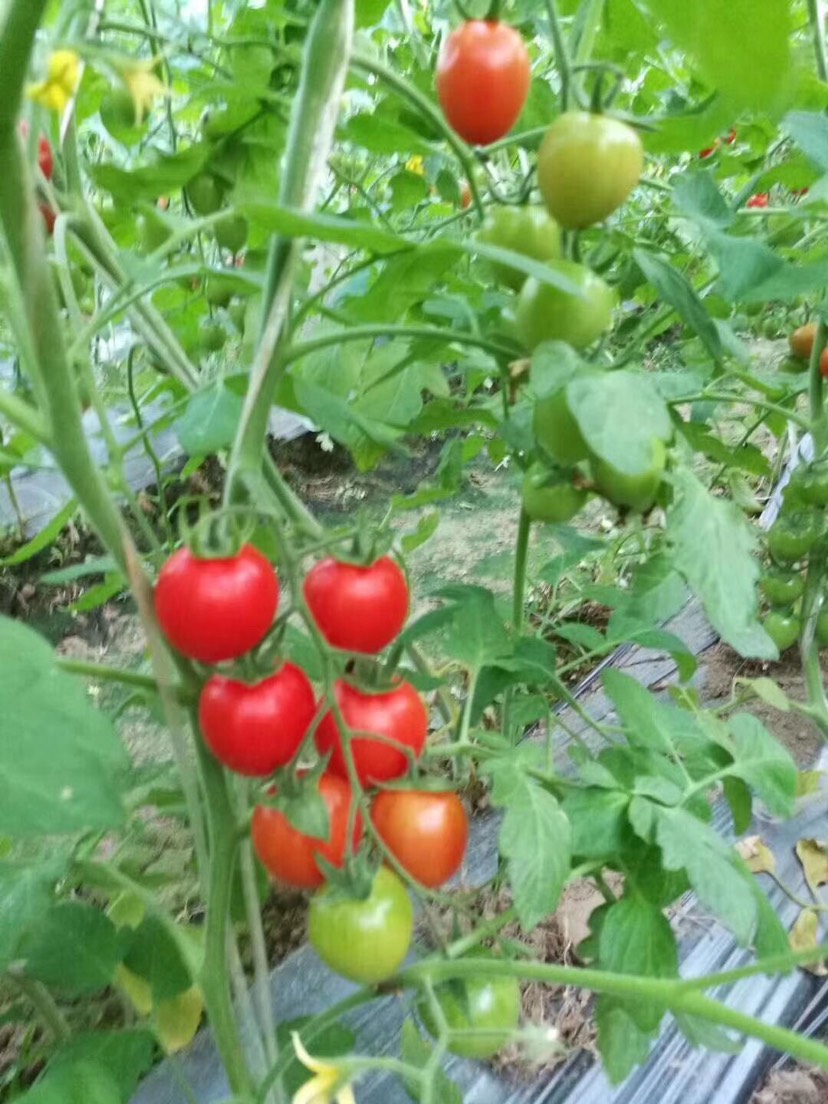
[
  {"x": 217, "y": 611},
  {"x": 46, "y": 164}
]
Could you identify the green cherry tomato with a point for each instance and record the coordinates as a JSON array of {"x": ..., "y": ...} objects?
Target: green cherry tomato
[
  {"x": 153, "y": 231},
  {"x": 238, "y": 314},
  {"x": 556, "y": 430},
  {"x": 481, "y": 1015},
  {"x": 545, "y": 313},
  {"x": 204, "y": 194},
  {"x": 547, "y": 496},
  {"x": 219, "y": 289},
  {"x": 781, "y": 588},
  {"x": 364, "y": 941},
  {"x": 211, "y": 336},
  {"x": 118, "y": 115},
  {"x": 783, "y": 629},
  {"x": 792, "y": 536},
  {"x": 525, "y": 230},
  {"x": 587, "y": 166},
  {"x": 814, "y": 485},
  {"x": 637, "y": 492},
  {"x": 822, "y": 629},
  {"x": 231, "y": 233}
]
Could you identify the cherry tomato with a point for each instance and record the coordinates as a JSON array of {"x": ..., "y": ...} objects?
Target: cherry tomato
[
  {"x": 793, "y": 535},
  {"x": 358, "y": 609},
  {"x": 782, "y": 628},
  {"x": 427, "y": 832},
  {"x": 465, "y": 196},
  {"x": 288, "y": 855},
  {"x": 760, "y": 200},
  {"x": 153, "y": 232},
  {"x": 706, "y": 153},
  {"x": 483, "y": 78},
  {"x": 525, "y": 230},
  {"x": 211, "y": 336},
  {"x": 119, "y": 117},
  {"x": 549, "y": 496},
  {"x": 587, "y": 166},
  {"x": 481, "y": 1015},
  {"x": 823, "y": 363},
  {"x": 556, "y": 430},
  {"x": 730, "y": 138},
  {"x": 204, "y": 194},
  {"x": 255, "y": 729},
  {"x": 813, "y": 484},
  {"x": 781, "y": 588},
  {"x": 398, "y": 715},
  {"x": 213, "y": 610},
  {"x": 637, "y": 492},
  {"x": 231, "y": 233},
  {"x": 45, "y": 155},
  {"x": 364, "y": 941},
  {"x": 802, "y": 340},
  {"x": 545, "y": 313},
  {"x": 49, "y": 218}
]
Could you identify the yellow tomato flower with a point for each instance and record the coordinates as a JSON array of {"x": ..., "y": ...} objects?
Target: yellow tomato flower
[
  {"x": 416, "y": 165},
  {"x": 144, "y": 86},
  {"x": 62, "y": 78},
  {"x": 321, "y": 1089}
]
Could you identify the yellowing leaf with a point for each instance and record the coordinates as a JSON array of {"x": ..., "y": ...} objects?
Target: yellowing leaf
[
  {"x": 809, "y": 782},
  {"x": 805, "y": 937},
  {"x": 177, "y": 1020},
  {"x": 136, "y": 988},
  {"x": 813, "y": 854},
  {"x": 127, "y": 910},
  {"x": 757, "y": 855}
]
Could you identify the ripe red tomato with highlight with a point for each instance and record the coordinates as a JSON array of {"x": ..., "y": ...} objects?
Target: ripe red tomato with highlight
[
  {"x": 214, "y": 610},
  {"x": 358, "y": 609},
  {"x": 397, "y": 715},
  {"x": 760, "y": 200},
  {"x": 288, "y": 855},
  {"x": 483, "y": 78},
  {"x": 426, "y": 832},
  {"x": 255, "y": 729}
]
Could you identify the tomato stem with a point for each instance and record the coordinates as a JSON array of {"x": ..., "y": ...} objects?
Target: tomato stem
[
  {"x": 561, "y": 53},
  {"x": 816, "y": 15},
  {"x": 493, "y": 15}
]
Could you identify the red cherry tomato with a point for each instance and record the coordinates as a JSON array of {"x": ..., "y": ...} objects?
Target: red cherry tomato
[
  {"x": 465, "y": 196},
  {"x": 426, "y": 832},
  {"x": 358, "y": 609},
  {"x": 45, "y": 157},
  {"x": 398, "y": 715},
  {"x": 49, "y": 217},
  {"x": 483, "y": 78},
  {"x": 256, "y": 729},
  {"x": 705, "y": 153},
  {"x": 823, "y": 363},
  {"x": 288, "y": 855},
  {"x": 213, "y": 610},
  {"x": 760, "y": 200}
]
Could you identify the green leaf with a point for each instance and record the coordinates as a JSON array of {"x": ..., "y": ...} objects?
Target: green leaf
[
  {"x": 622, "y": 1044},
  {"x": 636, "y": 938},
  {"x": 756, "y": 76},
  {"x": 476, "y": 635},
  {"x": 764, "y": 764},
  {"x": 703, "y": 1033},
  {"x": 404, "y": 281},
  {"x": 739, "y": 799},
  {"x": 152, "y": 954},
  {"x": 86, "y": 1082},
  {"x": 75, "y": 948},
  {"x": 745, "y": 267},
  {"x": 809, "y": 131},
  {"x": 44, "y": 539},
  {"x": 711, "y": 545},
  {"x": 210, "y": 420},
  {"x": 715, "y": 875},
  {"x": 165, "y": 173},
  {"x": 697, "y": 196},
  {"x": 535, "y": 842},
  {"x": 645, "y": 719},
  {"x": 674, "y": 288},
  {"x": 598, "y": 819},
  {"x": 290, "y": 223},
  {"x": 620, "y": 414},
  {"x": 62, "y": 766},
  {"x": 370, "y": 12},
  {"x": 127, "y": 1055},
  {"x": 426, "y": 528},
  {"x": 416, "y": 1052},
  {"x": 25, "y": 895}
]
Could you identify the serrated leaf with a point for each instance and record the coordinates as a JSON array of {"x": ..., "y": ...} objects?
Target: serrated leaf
[
  {"x": 153, "y": 955},
  {"x": 62, "y": 766},
  {"x": 621, "y": 1043},
  {"x": 620, "y": 414},
  {"x": 25, "y": 895},
  {"x": 75, "y": 948},
  {"x": 476, "y": 636},
  {"x": 674, "y": 288},
  {"x": 127, "y": 1055},
  {"x": 762, "y": 762},
  {"x": 813, "y": 855},
  {"x": 598, "y": 818},
  {"x": 535, "y": 841},
  {"x": 711, "y": 546},
  {"x": 426, "y": 528},
  {"x": 210, "y": 420}
]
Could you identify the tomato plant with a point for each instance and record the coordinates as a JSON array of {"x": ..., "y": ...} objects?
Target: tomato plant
[
  {"x": 363, "y": 940},
  {"x": 358, "y": 609},
  {"x": 483, "y": 77},
  {"x": 783, "y": 628},
  {"x": 587, "y": 166},
  {"x": 781, "y": 588},
  {"x": 397, "y": 715},
  {"x": 480, "y": 1015},
  {"x": 546, "y": 313},
  {"x": 793, "y": 535},
  {"x": 214, "y": 610},
  {"x": 255, "y": 729},
  {"x": 427, "y": 832},
  {"x": 525, "y": 230},
  {"x": 289, "y": 855}
]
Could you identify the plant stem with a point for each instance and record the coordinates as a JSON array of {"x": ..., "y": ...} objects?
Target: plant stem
[
  {"x": 816, "y": 15},
  {"x": 521, "y": 564},
  {"x": 561, "y": 53},
  {"x": 365, "y": 333},
  {"x": 24, "y": 416},
  {"x": 103, "y": 673},
  {"x": 44, "y": 1004}
]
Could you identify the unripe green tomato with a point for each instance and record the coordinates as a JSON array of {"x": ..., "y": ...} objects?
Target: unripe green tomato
[
  {"x": 211, "y": 336},
  {"x": 556, "y": 430},
  {"x": 153, "y": 231},
  {"x": 781, "y": 588},
  {"x": 793, "y": 535},
  {"x": 545, "y": 313},
  {"x": 204, "y": 194},
  {"x": 637, "y": 492},
  {"x": 488, "y": 1007},
  {"x": 587, "y": 166},
  {"x": 782, "y": 628},
  {"x": 549, "y": 497},
  {"x": 793, "y": 365},
  {"x": 526, "y": 230},
  {"x": 238, "y": 314},
  {"x": 119, "y": 117},
  {"x": 219, "y": 290},
  {"x": 813, "y": 487},
  {"x": 231, "y": 233}
]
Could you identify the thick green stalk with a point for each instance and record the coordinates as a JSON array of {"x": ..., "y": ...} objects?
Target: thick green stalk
[
  {"x": 368, "y": 333},
  {"x": 561, "y": 53},
  {"x": 816, "y": 14}
]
